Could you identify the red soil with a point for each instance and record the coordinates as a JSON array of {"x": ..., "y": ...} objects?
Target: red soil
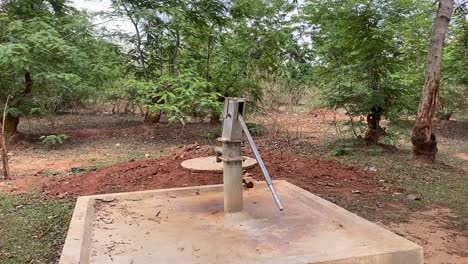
[
  {"x": 322, "y": 177},
  {"x": 326, "y": 178}
]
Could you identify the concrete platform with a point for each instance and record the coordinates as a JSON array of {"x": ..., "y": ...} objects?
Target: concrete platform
[
  {"x": 209, "y": 164},
  {"x": 187, "y": 225}
]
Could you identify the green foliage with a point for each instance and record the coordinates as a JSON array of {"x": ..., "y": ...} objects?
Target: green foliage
[
  {"x": 375, "y": 150},
  {"x": 214, "y": 133},
  {"x": 184, "y": 57},
  {"x": 454, "y": 88},
  {"x": 180, "y": 97},
  {"x": 53, "y": 141},
  {"x": 344, "y": 147},
  {"x": 229, "y": 45},
  {"x": 452, "y": 98},
  {"x": 66, "y": 60},
  {"x": 342, "y": 150},
  {"x": 255, "y": 129},
  {"x": 364, "y": 49}
]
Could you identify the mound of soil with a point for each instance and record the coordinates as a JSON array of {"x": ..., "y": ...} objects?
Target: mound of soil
[{"x": 326, "y": 178}]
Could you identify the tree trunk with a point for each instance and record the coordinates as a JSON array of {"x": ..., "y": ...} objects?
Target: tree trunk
[
  {"x": 11, "y": 124},
  {"x": 3, "y": 142},
  {"x": 374, "y": 130},
  {"x": 11, "y": 121},
  {"x": 423, "y": 139}
]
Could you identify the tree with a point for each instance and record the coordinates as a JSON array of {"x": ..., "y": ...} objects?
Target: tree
[
  {"x": 4, "y": 143},
  {"x": 50, "y": 60},
  {"x": 423, "y": 138},
  {"x": 226, "y": 44},
  {"x": 360, "y": 48},
  {"x": 454, "y": 84}
]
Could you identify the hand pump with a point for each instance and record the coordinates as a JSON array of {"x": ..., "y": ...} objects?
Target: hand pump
[{"x": 231, "y": 138}]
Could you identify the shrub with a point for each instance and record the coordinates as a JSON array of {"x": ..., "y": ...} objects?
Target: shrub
[
  {"x": 256, "y": 129},
  {"x": 53, "y": 141},
  {"x": 214, "y": 133}
]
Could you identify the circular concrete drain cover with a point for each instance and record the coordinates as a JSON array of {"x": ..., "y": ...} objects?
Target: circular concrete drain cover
[{"x": 210, "y": 164}]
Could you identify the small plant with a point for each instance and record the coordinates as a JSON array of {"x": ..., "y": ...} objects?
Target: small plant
[
  {"x": 256, "y": 129},
  {"x": 375, "y": 150},
  {"x": 214, "y": 133},
  {"x": 342, "y": 151},
  {"x": 345, "y": 147},
  {"x": 53, "y": 141}
]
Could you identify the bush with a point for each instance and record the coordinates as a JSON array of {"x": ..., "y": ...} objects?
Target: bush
[
  {"x": 256, "y": 130},
  {"x": 180, "y": 97},
  {"x": 214, "y": 133},
  {"x": 344, "y": 147},
  {"x": 53, "y": 141},
  {"x": 342, "y": 151}
]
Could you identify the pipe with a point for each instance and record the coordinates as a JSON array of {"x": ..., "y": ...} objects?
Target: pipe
[
  {"x": 232, "y": 177},
  {"x": 261, "y": 163}
]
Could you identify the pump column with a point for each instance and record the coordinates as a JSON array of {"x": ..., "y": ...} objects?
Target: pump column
[{"x": 231, "y": 154}]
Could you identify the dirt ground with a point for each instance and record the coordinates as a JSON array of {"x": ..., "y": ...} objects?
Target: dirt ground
[
  {"x": 109, "y": 153},
  {"x": 441, "y": 245},
  {"x": 326, "y": 178}
]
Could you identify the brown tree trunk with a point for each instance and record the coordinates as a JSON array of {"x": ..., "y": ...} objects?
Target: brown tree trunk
[
  {"x": 11, "y": 124},
  {"x": 4, "y": 144},
  {"x": 374, "y": 130},
  {"x": 423, "y": 139},
  {"x": 11, "y": 121}
]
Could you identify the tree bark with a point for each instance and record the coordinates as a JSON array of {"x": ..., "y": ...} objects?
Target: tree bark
[
  {"x": 11, "y": 124},
  {"x": 11, "y": 121},
  {"x": 374, "y": 130},
  {"x": 423, "y": 139},
  {"x": 4, "y": 144}
]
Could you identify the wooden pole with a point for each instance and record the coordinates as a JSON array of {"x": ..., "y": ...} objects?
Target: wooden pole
[{"x": 6, "y": 168}]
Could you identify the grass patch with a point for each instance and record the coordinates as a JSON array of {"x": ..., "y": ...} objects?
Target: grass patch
[
  {"x": 436, "y": 184},
  {"x": 32, "y": 228}
]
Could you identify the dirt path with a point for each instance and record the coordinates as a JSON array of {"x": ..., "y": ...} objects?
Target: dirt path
[{"x": 430, "y": 229}]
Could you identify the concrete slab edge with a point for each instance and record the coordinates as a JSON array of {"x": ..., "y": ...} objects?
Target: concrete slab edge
[
  {"x": 413, "y": 254},
  {"x": 78, "y": 242}
]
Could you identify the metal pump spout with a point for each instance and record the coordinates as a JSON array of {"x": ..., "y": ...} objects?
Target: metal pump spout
[{"x": 231, "y": 156}]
